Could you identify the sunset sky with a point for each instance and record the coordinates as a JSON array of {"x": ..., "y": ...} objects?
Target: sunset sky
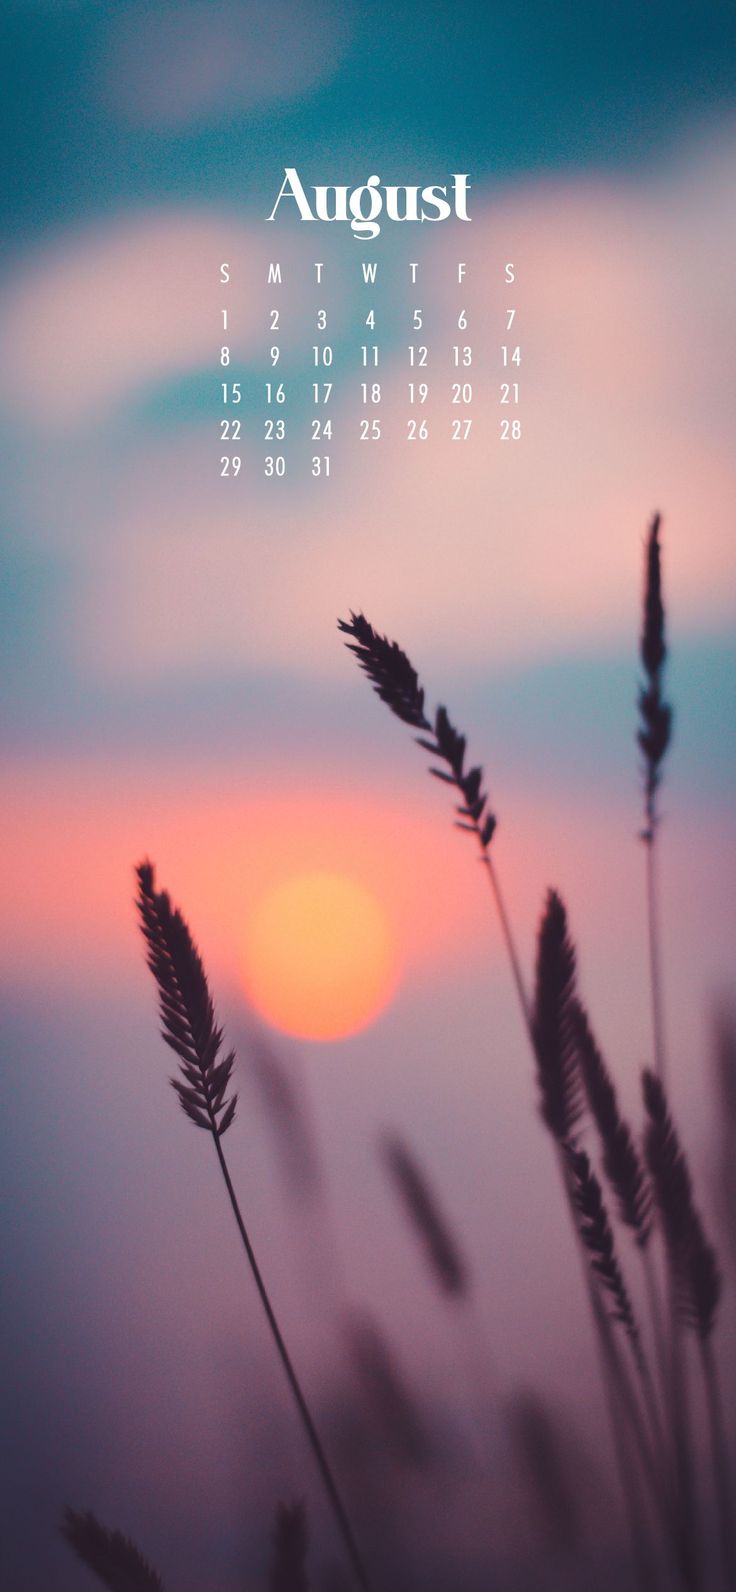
[{"x": 175, "y": 685}]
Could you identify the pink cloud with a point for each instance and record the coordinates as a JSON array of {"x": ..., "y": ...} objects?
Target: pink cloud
[
  {"x": 471, "y": 553},
  {"x": 98, "y": 315},
  {"x": 73, "y": 831},
  {"x": 477, "y": 560},
  {"x": 219, "y": 844}
]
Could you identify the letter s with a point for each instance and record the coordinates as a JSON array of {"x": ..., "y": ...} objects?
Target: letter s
[{"x": 437, "y": 198}]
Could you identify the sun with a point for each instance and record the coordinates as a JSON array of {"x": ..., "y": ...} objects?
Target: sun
[{"x": 320, "y": 959}]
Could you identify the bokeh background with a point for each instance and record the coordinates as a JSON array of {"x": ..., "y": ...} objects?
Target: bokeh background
[{"x": 173, "y": 684}]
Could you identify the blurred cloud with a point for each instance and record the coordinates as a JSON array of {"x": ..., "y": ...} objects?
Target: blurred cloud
[
  {"x": 223, "y": 836},
  {"x": 220, "y": 842},
  {"x": 170, "y": 65},
  {"x": 103, "y": 312},
  {"x": 627, "y": 406}
]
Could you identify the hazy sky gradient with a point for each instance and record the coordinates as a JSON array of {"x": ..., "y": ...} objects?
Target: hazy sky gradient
[{"x": 173, "y": 683}]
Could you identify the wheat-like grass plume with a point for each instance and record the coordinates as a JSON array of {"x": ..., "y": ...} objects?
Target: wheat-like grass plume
[
  {"x": 387, "y": 1393},
  {"x": 598, "y": 1241},
  {"x": 547, "y": 1019},
  {"x": 558, "y": 1076},
  {"x": 623, "y": 1167},
  {"x": 187, "y": 1014},
  {"x": 622, "y": 1162},
  {"x": 288, "y": 1572},
  {"x": 555, "y": 1045},
  {"x": 285, "y": 1105},
  {"x": 112, "y": 1557},
  {"x": 541, "y": 1450},
  {"x": 655, "y": 713},
  {"x": 421, "y": 1203},
  {"x": 597, "y": 1236},
  {"x": 673, "y": 1190},
  {"x": 390, "y": 672},
  {"x": 695, "y": 1291},
  {"x": 188, "y": 1025},
  {"x": 653, "y": 737},
  {"x": 396, "y": 682}
]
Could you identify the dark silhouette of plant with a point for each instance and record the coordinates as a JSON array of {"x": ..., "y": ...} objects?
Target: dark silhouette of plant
[
  {"x": 622, "y": 1162},
  {"x": 187, "y": 1014},
  {"x": 695, "y": 1289},
  {"x": 653, "y": 738},
  {"x": 446, "y": 1262},
  {"x": 395, "y": 681},
  {"x": 597, "y": 1236},
  {"x": 390, "y": 1399},
  {"x": 547, "y": 1020},
  {"x": 189, "y": 1027},
  {"x": 113, "y": 1558},
  {"x": 285, "y": 1107},
  {"x": 539, "y": 1444},
  {"x": 552, "y": 1031},
  {"x": 288, "y": 1571},
  {"x": 692, "y": 1258}
]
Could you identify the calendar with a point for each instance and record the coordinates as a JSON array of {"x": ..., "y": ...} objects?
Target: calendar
[
  {"x": 368, "y": 1122},
  {"x": 443, "y": 405},
  {"x": 356, "y": 369}
]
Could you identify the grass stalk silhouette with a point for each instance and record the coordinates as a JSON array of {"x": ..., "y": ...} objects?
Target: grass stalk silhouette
[
  {"x": 189, "y": 1027},
  {"x": 695, "y": 1291},
  {"x": 543, "y": 1454},
  {"x": 112, "y": 1557},
  {"x": 597, "y": 1236},
  {"x": 421, "y": 1204},
  {"x": 288, "y": 1572},
  {"x": 653, "y": 737},
  {"x": 561, "y": 1107},
  {"x": 396, "y": 682},
  {"x": 721, "y": 1459},
  {"x": 627, "y": 1177},
  {"x": 395, "y": 1409}
]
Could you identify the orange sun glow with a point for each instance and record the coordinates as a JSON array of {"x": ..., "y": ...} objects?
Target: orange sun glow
[{"x": 319, "y": 957}]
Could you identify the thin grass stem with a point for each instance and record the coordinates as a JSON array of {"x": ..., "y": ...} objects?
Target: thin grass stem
[
  {"x": 190, "y": 1028},
  {"x": 509, "y": 941},
  {"x": 680, "y": 1408},
  {"x": 722, "y": 1471},
  {"x": 656, "y": 1315},
  {"x": 313, "y": 1437},
  {"x": 396, "y": 682},
  {"x": 655, "y": 960}
]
